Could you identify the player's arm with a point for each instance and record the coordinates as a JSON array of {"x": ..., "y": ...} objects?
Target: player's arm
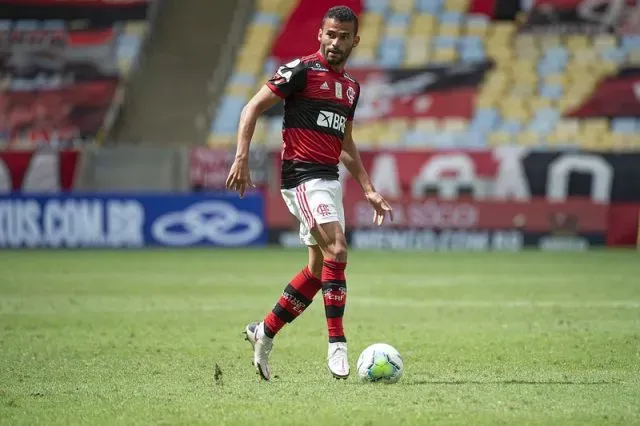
[
  {"x": 350, "y": 157},
  {"x": 239, "y": 177},
  {"x": 289, "y": 79}
]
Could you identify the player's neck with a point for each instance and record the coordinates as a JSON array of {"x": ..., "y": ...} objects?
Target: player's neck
[{"x": 336, "y": 68}]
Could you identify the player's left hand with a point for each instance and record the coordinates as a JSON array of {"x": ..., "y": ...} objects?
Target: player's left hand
[{"x": 380, "y": 206}]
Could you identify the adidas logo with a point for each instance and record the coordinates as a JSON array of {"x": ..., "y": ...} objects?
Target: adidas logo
[{"x": 325, "y": 86}]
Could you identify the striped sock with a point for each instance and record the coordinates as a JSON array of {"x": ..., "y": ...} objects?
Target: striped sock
[
  {"x": 334, "y": 292},
  {"x": 296, "y": 297}
]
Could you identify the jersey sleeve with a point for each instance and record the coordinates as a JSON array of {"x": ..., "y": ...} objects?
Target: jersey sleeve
[
  {"x": 352, "y": 111},
  {"x": 289, "y": 79}
]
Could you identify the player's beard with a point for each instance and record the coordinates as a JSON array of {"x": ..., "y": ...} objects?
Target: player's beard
[{"x": 339, "y": 58}]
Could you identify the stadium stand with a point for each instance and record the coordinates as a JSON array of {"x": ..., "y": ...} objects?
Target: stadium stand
[
  {"x": 62, "y": 80},
  {"x": 542, "y": 89}
]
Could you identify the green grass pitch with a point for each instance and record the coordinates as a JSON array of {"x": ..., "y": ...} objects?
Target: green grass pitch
[{"x": 133, "y": 337}]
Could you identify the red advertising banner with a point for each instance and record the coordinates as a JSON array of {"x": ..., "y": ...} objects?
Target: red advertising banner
[
  {"x": 37, "y": 171},
  {"x": 614, "y": 97},
  {"x": 72, "y": 112}
]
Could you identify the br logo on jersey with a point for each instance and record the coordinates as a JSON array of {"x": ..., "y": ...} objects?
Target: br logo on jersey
[{"x": 331, "y": 120}]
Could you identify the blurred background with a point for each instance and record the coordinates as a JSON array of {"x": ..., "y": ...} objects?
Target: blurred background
[{"x": 490, "y": 124}]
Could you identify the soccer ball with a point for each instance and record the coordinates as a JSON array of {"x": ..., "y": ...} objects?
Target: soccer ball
[{"x": 380, "y": 363}]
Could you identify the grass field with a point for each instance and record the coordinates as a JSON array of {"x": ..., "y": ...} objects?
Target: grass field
[{"x": 101, "y": 337}]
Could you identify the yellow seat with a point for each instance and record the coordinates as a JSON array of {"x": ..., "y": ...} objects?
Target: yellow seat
[
  {"x": 395, "y": 30},
  {"x": 549, "y": 40},
  {"x": 522, "y": 90},
  {"x": 595, "y": 126},
  {"x": 500, "y": 138},
  {"x": 503, "y": 28},
  {"x": 568, "y": 128},
  {"x": 238, "y": 90},
  {"x": 537, "y": 103},
  {"x": 525, "y": 41},
  {"x": 454, "y": 124},
  {"x": 556, "y": 78},
  {"x": 456, "y": 5},
  {"x": 220, "y": 141},
  {"x": 586, "y": 56},
  {"x": 401, "y": 6},
  {"x": 634, "y": 57},
  {"x": 486, "y": 100},
  {"x": 450, "y": 30},
  {"x": 427, "y": 125},
  {"x": 528, "y": 138},
  {"x": 444, "y": 55},
  {"x": 604, "y": 41},
  {"x": 577, "y": 42}
]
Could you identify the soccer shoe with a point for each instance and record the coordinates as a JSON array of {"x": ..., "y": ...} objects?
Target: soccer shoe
[
  {"x": 262, "y": 345},
  {"x": 337, "y": 360}
]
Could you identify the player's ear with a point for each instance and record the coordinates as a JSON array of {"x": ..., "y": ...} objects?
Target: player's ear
[
  {"x": 320, "y": 34},
  {"x": 356, "y": 40}
]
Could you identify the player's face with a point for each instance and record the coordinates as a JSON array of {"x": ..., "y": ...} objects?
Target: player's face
[{"x": 337, "y": 39}]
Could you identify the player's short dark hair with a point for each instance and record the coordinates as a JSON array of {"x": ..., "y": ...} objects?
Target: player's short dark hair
[{"x": 342, "y": 14}]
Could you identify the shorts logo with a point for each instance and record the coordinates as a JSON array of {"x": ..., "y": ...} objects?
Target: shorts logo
[
  {"x": 331, "y": 120},
  {"x": 323, "y": 210}
]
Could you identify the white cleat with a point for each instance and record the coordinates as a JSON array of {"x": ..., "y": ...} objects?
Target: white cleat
[
  {"x": 262, "y": 345},
  {"x": 337, "y": 360}
]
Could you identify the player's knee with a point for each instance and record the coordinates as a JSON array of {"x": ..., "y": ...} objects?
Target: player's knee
[{"x": 337, "y": 250}]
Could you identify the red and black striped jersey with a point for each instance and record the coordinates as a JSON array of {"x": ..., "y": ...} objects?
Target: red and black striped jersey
[{"x": 318, "y": 101}]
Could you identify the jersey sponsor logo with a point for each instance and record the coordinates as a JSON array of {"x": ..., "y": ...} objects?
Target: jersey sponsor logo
[
  {"x": 338, "y": 90},
  {"x": 331, "y": 120},
  {"x": 317, "y": 66},
  {"x": 351, "y": 95}
]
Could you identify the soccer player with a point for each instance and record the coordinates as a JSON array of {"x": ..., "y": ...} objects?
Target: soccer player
[{"x": 320, "y": 100}]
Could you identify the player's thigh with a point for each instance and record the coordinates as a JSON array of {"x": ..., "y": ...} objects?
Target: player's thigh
[{"x": 331, "y": 239}]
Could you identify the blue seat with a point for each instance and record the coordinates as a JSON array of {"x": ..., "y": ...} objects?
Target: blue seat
[
  {"x": 546, "y": 68},
  {"x": 270, "y": 66},
  {"x": 450, "y": 17},
  {"x": 430, "y": 6},
  {"x": 613, "y": 54},
  {"x": 472, "y": 140},
  {"x": 441, "y": 42},
  {"x": 243, "y": 78},
  {"x": 52, "y": 25},
  {"x": 5, "y": 25},
  {"x": 551, "y": 91},
  {"x": 630, "y": 42},
  {"x": 513, "y": 127},
  {"x": 484, "y": 120},
  {"x": 266, "y": 18},
  {"x": 26, "y": 25},
  {"x": 472, "y": 54},
  {"x": 228, "y": 115},
  {"x": 471, "y": 41},
  {"x": 378, "y": 6},
  {"x": 475, "y": 20},
  {"x": 627, "y": 125},
  {"x": 398, "y": 19}
]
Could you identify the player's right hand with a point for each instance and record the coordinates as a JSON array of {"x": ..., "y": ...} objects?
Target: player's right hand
[{"x": 239, "y": 178}]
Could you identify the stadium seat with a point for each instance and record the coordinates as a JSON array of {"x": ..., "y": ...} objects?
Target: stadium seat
[
  {"x": 477, "y": 25},
  {"x": 402, "y": 6},
  {"x": 430, "y": 6},
  {"x": 625, "y": 125},
  {"x": 378, "y": 6}
]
